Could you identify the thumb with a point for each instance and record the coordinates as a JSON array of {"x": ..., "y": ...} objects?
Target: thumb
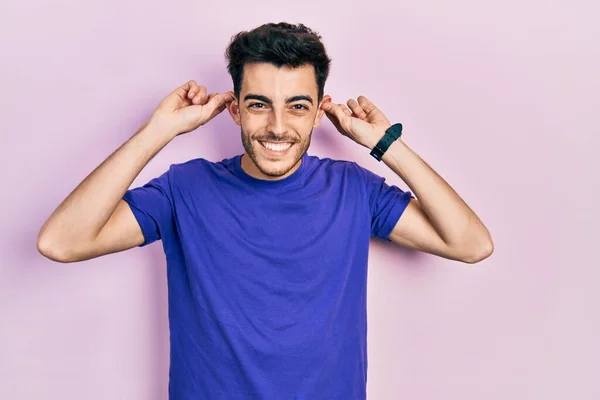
[
  {"x": 337, "y": 115},
  {"x": 217, "y": 103}
]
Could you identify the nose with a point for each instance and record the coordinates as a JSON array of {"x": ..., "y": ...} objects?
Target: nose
[{"x": 277, "y": 123}]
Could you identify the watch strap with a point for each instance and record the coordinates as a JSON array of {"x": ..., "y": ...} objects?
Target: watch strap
[{"x": 391, "y": 134}]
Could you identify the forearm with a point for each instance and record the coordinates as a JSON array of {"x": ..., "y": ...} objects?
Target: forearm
[
  {"x": 451, "y": 217},
  {"x": 81, "y": 216}
]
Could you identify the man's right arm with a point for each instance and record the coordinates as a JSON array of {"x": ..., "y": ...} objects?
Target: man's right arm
[{"x": 94, "y": 219}]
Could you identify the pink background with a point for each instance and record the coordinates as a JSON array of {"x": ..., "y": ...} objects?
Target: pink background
[{"x": 501, "y": 98}]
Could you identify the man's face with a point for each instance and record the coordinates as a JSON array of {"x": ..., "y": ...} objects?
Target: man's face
[{"x": 278, "y": 109}]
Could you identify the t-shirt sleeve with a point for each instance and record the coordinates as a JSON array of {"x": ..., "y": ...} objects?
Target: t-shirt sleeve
[
  {"x": 151, "y": 205},
  {"x": 386, "y": 203}
]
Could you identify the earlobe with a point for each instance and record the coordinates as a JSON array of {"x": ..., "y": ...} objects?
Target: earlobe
[
  {"x": 326, "y": 98},
  {"x": 234, "y": 111},
  {"x": 318, "y": 118}
]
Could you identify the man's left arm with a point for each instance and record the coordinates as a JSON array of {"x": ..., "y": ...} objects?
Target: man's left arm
[{"x": 437, "y": 222}]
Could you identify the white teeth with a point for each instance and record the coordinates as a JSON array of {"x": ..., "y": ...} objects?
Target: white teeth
[{"x": 276, "y": 147}]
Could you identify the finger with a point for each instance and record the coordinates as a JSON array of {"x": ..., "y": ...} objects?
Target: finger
[
  {"x": 204, "y": 100},
  {"x": 345, "y": 109},
  {"x": 223, "y": 98},
  {"x": 200, "y": 97},
  {"x": 366, "y": 105},
  {"x": 192, "y": 87},
  {"x": 333, "y": 109},
  {"x": 184, "y": 90},
  {"x": 357, "y": 109},
  {"x": 218, "y": 102},
  {"x": 336, "y": 114}
]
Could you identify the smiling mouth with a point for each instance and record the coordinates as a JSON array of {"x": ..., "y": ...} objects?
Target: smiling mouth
[{"x": 276, "y": 147}]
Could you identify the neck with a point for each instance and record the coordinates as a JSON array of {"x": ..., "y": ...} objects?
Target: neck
[{"x": 251, "y": 169}]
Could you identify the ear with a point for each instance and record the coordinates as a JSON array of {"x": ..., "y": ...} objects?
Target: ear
[
  {"x": 321, "y": 112},
  {"x": 234, "y": 111}
]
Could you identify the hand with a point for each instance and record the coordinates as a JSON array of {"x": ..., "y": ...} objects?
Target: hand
[
  {"x": 363, "y": 122},
  {"x": 189, "y": 106}
]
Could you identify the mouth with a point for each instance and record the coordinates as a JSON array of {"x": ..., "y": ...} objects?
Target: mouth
[{"x": 277, "y": 149}]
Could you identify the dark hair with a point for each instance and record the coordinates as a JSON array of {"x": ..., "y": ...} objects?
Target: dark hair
[{"x": 280, "y": 44}]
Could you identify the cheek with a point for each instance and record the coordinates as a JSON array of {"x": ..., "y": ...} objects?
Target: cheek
[
  {"x": 252, "y": 129},
  {"x": 255, "y": 123}
]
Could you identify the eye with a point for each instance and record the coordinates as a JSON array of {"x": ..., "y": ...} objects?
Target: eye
[
  {"x": 256, "y": 104},
  {"x": 301, "y": 107}
]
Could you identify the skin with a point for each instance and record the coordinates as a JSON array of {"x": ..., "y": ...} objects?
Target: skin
[
  {"x": 269, "y": 118},
  {"x": 94, "y": 220}
]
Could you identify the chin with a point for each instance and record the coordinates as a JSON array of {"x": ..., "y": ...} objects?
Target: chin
[{"x": 275, "y": 164}]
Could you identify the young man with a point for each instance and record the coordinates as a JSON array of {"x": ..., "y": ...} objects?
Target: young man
[{"x": 266, "y": 251}]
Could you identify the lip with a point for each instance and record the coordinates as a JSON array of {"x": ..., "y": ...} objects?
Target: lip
[{"x": 275, "y": 153}]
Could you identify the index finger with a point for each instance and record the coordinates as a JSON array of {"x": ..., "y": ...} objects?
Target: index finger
[{"x": 194, "y": 89}]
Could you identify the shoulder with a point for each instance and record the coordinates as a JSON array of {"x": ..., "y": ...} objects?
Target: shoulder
[
  {"x": 189, "y": 165},
  {"x": 348, "y": 169},
  {"x": 197, "y": 166},
  {"x": 331, "y": 164}
]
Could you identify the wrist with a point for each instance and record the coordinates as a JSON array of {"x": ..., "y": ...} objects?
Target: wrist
[
  {"x": 157, "y": 131},
  {"x": 391, "y": 134},
  {"x": 161, "y": 126},
  {"x": 373, "y": 139}
]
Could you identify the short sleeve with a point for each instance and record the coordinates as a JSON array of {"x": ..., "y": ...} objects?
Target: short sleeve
[
  {"x": 151, "y": 205},
  {"x": 386, "y": 203}
]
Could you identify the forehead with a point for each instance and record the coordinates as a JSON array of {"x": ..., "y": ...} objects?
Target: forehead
[{"x": 269, "y": 80}]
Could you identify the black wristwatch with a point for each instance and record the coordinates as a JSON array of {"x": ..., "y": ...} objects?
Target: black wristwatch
[{"x": 391, "y": 134}]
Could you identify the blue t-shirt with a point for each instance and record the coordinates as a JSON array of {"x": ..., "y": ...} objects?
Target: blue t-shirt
[{"x": 267, "y": 279}]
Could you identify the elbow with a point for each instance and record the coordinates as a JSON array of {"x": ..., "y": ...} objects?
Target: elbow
[
  {"x": 49, "y": 248},
  {"x": 484, "y": 252}
]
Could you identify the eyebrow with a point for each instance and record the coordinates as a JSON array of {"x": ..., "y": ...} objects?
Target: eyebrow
[{"x": 267, "y": 100}]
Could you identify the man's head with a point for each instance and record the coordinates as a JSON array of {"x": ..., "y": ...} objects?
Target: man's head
[{"x": 279, "y": 73}]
